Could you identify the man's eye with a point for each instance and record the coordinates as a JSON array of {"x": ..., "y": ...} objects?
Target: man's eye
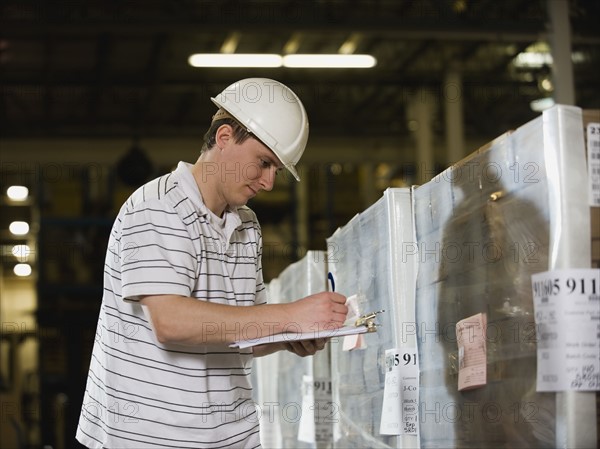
[{"x": 264, "y": 163}]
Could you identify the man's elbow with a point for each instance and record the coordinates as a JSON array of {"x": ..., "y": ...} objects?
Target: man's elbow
[
  {"x": 165, "y": 332},
  {"x": 163, "y": 335},
  {"x": 164, "y": 325}
]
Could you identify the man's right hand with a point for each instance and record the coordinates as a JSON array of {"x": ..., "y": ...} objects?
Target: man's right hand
[{"x": 326, "y": 310}]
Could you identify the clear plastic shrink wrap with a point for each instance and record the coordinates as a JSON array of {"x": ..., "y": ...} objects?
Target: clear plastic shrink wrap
[
  {"x": 365, "y": 259},
  {"x": 516, "y": 207},
  {"x": 484, "y": 226},
  {"x": 288, "y": 373}
]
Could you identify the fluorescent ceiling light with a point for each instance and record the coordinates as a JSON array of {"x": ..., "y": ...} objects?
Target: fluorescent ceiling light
[
  {"x": 533, "y": 59},
  {"x": 22, "y": 269},
  {"x": 541, "y": 104},
  {"x": 329, "y": 61},
  {"x": 17, "y": 193},
  {"x": 19, "y": 227},
  {"x": 536, "y": 60},
  {"x": 234, "y": 60},
  {"x": 21, "y": 252}
]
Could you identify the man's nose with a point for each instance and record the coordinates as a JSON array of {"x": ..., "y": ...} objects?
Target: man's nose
[{"x": 267, "y": 178}]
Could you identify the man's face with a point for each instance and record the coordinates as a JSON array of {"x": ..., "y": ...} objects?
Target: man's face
[{"x": 247, "y": 169}]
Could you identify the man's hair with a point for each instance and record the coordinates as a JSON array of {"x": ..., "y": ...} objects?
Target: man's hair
[{"x": 240, "y": 134}]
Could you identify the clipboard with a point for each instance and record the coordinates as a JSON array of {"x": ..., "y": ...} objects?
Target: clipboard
[{"x": 364, "y": 324}]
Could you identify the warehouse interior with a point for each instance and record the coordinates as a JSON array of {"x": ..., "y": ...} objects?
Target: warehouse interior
[{"x": 98, "y": 97}]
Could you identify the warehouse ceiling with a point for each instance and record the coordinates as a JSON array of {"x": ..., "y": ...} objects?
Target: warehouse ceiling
[{"x": 115, "y": 68}]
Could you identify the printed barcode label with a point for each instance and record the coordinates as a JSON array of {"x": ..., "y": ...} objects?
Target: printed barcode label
[{"x": 593, "y": 151}]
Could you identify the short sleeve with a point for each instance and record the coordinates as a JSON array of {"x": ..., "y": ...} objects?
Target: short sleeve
[{"x": 156, "y": 252}]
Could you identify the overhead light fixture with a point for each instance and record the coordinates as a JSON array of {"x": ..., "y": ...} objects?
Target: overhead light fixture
[
  {"x": 17, "y": 193},
  {"x": 329, "y": 61},
  {"x": 19, "y": 227},
  {"x": 541, "y": 104},
  {"x": 351, "y": 44},
  {"x": 235, "y": 60},
  {"x": 231, "y": 43},
  {"x": 539, "y": 59},
  {"x": 545, "y": 84},
  {"x": 293, "y": 44},
  {"x": 536, "y": 55},
  {"x": 22, "y": 269},
  {"x": 533, "y": 59},
  {"x": 21, "y": 252}
]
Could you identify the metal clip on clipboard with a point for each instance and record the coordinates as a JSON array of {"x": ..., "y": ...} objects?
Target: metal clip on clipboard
[
  {"x": 365, "y": 320},
  {"x": 368, "y": 321}
]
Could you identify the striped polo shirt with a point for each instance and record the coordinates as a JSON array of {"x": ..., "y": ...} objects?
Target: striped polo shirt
[{"x": 141, "y": 393}]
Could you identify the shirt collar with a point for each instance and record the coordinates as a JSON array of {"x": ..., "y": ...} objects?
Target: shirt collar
[{"x": 191, "y": 189}]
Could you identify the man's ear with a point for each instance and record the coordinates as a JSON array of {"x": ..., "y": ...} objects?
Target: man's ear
[{"x": 223, "y": 135}]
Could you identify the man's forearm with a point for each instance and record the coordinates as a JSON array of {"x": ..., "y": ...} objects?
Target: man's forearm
[{"x": 189, "y": 321}]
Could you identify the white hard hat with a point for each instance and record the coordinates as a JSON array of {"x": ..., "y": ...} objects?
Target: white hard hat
[{"x": 272, "y": 112}]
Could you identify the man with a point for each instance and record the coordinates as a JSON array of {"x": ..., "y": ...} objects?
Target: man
[{"x": 183, "y": 280}]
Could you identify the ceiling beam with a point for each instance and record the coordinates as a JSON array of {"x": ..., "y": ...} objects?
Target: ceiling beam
[{"x": 76, "y": 80}]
